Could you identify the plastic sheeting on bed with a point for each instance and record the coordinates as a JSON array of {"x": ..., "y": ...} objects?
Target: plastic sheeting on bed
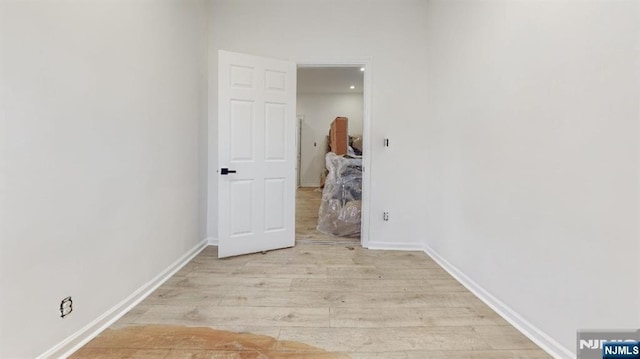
[{"x": 340, "y": 210}]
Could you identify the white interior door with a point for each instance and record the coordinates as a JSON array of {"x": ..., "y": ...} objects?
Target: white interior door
[{"x": 256, "y": 139}]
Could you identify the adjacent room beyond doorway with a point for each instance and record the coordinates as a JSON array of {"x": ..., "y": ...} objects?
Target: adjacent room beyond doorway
[{"x": 330, "y": 109}]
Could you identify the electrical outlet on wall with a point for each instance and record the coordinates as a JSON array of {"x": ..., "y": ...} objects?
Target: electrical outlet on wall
[
  {"x": 66, "y": 307},
  {"x": 385, "y": 216}
]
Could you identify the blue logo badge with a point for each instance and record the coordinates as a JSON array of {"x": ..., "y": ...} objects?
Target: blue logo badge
[{"x": 621, "y": 350}]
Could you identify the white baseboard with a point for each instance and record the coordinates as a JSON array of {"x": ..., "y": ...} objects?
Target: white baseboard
[
  {"x": 91, "y": 330},
  {"x": 544, "y": 341},
  {"x": 402, "y": 246},
  {"x": 310, "y": 184},
  {"x": 212, "y": 241}
]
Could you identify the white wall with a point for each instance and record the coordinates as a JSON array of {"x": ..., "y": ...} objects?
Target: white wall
[
  {"x": 392, "y": 34},
  {"x": 319, "y": 110},
  {"x": 99, "y": 158},
  {"x": 533, "y": 157}
]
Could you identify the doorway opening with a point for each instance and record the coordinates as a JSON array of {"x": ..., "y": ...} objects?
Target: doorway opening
[{"x": 333, "y": 121}]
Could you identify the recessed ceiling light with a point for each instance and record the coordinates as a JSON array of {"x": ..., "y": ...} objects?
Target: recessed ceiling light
[
  {"x": 362, "y": 69},
  {"x": 352, "y": 87}
]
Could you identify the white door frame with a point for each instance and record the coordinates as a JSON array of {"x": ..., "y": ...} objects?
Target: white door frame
[
  {"x": 365, "y": 62},
  {"x": 299, "y": 119}
]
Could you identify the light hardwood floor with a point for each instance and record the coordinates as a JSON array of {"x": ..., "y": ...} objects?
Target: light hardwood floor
[{"x": 312, "y": 301}]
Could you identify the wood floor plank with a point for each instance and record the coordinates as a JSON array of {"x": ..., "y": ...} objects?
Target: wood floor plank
[
  {"x": 169, "y": 294},
  {"x": 110, "y": 353},
  {"x": 384, "y": 355},
  {"x": 211, "y": 282},
  {"x": 479, "y": 354},
  {"x": 376, "y": 340},
  {"x": 399, "y": 316},
  {"x": 395, "y": 299},
  {"x": 446, "y": 285},
  {"x": 213, "y": 315},
  {"x": 504, "y": 337},
  {"x": 269, "y": 298},
  {"x": 358, "y": 285},
  {"x": 352, "y": 299},
  {"x": 374, "y": 272}
]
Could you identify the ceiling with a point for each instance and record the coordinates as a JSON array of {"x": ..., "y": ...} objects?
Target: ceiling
[{"x": 330, "y": 79}]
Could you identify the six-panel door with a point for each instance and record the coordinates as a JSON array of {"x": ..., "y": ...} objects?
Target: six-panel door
[{"x": 256, "y": 132}]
